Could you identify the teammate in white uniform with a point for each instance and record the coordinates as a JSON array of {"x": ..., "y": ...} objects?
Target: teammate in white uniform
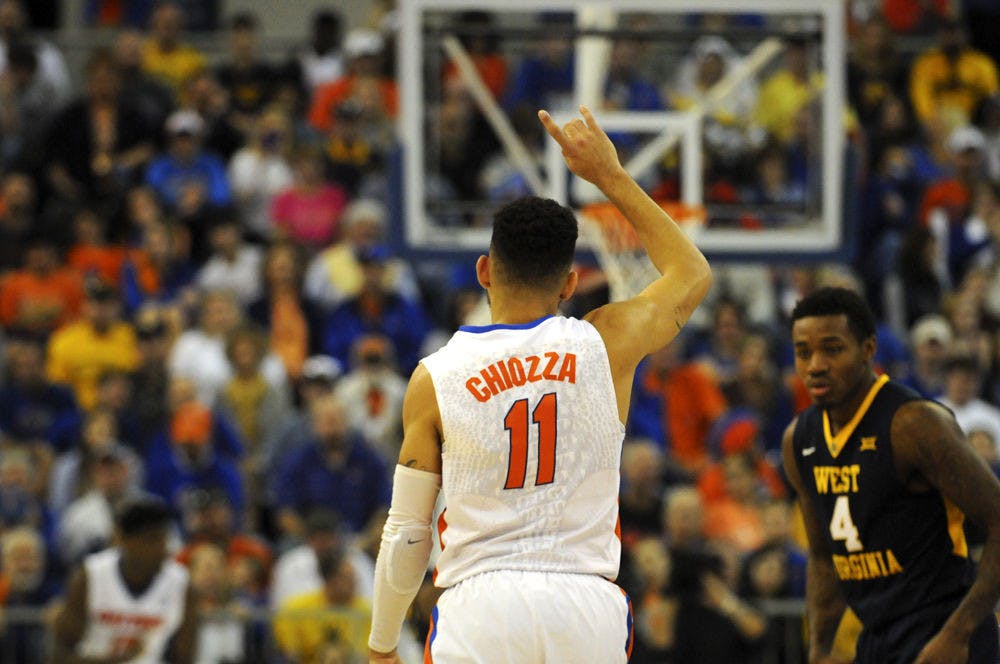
[
  {"x": 520, "y": 424},
  {"x": 129, "y": 603}
]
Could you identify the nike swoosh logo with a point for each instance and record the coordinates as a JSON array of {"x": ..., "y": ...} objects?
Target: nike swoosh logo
[
  {"x": 409, "y": 541},
  {"x": 806, "y": 451}
]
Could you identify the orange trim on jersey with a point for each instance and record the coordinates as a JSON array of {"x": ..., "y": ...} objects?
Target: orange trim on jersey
[
  {"x": 428, "y": 659},
  {"x": 836, "y": 443},
  {"x": 442, "y": 526},
  {"x": 959, "y": 546},
  {"x": 631, "y": 626}
]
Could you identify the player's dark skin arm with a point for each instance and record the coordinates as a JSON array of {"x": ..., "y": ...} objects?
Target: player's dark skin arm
[
  {"x": 930, "y": 450},
  {"x": 824, "y": 602},
  {"x": 185, "y": 640},
  {"x": 70, "y": 624}
]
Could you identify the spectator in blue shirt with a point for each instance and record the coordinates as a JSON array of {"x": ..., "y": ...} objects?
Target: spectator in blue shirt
[
  {"x": 33, "y": 410},
  {"x": 187, "y": 178},
  {"x": 376, "y": 310},
  {"x": 185, "y": 459},
  {"x": 335, "y": 470}
]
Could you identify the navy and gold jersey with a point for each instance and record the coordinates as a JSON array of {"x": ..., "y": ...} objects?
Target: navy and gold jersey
[{"x": 894, "y": 551}]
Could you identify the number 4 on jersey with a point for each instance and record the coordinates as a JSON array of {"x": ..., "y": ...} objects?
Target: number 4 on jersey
[
  {"x": 842, "y": 525},
  {"x": 516, "y": 422}
]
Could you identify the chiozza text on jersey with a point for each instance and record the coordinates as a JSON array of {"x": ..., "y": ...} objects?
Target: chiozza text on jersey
[{"x": 516, "y": 371}]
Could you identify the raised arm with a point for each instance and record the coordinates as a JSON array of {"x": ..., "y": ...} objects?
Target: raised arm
[
  {"x": 929, "y": 446},
  {"x": 636, "y": 327},
  {"x": 825, "y": 604}
]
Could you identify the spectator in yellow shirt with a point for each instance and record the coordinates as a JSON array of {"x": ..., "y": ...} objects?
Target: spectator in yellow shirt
[
  {"x": 80, "y": 352},
  {"x": 334, "y": 617},
  {"x": 786, "y": 92},
  {"x": 948, "y": 81},
  {"x": 164, "y": 56}
]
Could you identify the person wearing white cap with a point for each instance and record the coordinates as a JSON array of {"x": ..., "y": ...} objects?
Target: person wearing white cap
[
  {"x": 186, "y": 177},
  {"x": 929, "y": 341}
]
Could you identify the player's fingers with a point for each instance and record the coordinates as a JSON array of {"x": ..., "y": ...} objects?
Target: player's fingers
[
  {"x": 551, "y": 127},
  {"x": 589, "y": 117}
]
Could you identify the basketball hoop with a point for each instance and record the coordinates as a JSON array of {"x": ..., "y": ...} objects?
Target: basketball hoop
[{"x": 617, "y": 247}]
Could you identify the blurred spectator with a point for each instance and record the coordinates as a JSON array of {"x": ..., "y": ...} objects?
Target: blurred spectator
[
  {"x": 710, "y": 59},
  {"x": 875, "y": 70},
  {"x": 987, "y": 448},
  {"x": 261, "y": 169},
  {"x": 478, "y": 35},
  {"x": 35, "y": 412},
  {"x": 363, "y": 85},
  {"x": 18, "y": 199},
  {"x": 52, "y": 70},
  {"x": 463, "y": 142},
  {"x": 377, "y": 310},
  {"x": 655, "y": 608},
  {"x": 334, "y": 617},
  {"x": 915, "y": 16},
  {"x": 87, "y": 524},
  {"x": 165, "y": 56},
  {"x": 322, "y": 60},
  {"x": 190, "y": 461},
  {"x": 148, "y": 95},
  {"x": 641, "y": 500},
  {"x": 971, "y": 328},
  {"x": 91, "y": 254},
  {"x": 200, "y": 353},
  {"x": 98, "y": 143},
  {"x": 963, "y": 381},
  {"x": 234, "y": 264},
  {"x": 255, "y": 407},
  {"x": 81, "y": 351},
  {"x": 948, "y": 80},
  {"x": 293, "y": 320},
  {"x": 544, "y": 77},
  {"x": 320, "y": 374},
  {"x": 627, "y": 89},
  {"x": 784, "y": 94},
  {"x": 336, "y": 274},
  {"x": 334, "y": 470},
  {"x": 930, "y": 339},
  {"x": 223, "y": 134},
  {"x": 741, "y": 436},
  {"x": 297, "y": 570},
  {"x": 353, "y": 161},
  {"x": 677, "y": 403},
  {"x": 24, "y": 585},
  {"x": 773, "y": 182},
  {"x": 221, "y": 635},
  {"x": 20, "y": 499},
  {"x": 765, "y": 575},
  {"x": 734, "y": 517},
  {"x": 372, "y": 393},
  {"x": 159, "y": 271},
  {"x": 757, "y": 387},
  {"x": 718, "y": 350},
  {"x": 149, "y": 380},
  {"x": 187, "y": 178},
  {"x": 26, "y": 105},
  {"x": 72, "y": 473},
  {"x": 208, "y": 519},
  {"x": 308, "y": 212},
  {"x": 44, "y": 294},
  {"x": 921, "y": 286},
  {"x": 248, "y": 80}
]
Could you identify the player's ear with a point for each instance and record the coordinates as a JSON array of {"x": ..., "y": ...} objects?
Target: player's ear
[
  {"x": 868, "y": 347},
  {"x": 483, "y": 272},
  {"x": 569, "y": 286}
]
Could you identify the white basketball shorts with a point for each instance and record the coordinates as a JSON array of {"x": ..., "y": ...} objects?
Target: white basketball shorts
[{"x": 514, "y": 617}]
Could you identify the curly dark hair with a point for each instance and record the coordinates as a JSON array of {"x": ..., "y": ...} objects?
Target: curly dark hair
[
  {"x": 831, "y": 301},
  {"x": 534, "y": 240}
]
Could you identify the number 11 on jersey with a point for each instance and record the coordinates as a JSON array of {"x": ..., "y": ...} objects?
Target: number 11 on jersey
[{"x": 516, "y": 424}]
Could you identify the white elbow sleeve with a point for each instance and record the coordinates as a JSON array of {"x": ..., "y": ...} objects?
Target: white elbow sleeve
[{"x": 406, "y": 548}]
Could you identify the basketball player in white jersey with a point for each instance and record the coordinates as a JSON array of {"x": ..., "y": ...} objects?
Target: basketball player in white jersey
[
  {"x": 129, "y": 603},
  {"x": 520, "y": 424}
]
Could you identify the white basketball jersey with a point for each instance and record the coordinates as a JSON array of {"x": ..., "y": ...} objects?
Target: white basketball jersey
[
  {"x": 531, "y": 451},
  {"x": 116, "y": 618}
]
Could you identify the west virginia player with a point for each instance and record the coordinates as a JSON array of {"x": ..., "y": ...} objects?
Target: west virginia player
[{"x": 884, "y": 478}]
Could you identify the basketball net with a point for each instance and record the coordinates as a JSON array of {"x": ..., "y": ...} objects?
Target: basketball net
[{"x": 617, "y": 246}]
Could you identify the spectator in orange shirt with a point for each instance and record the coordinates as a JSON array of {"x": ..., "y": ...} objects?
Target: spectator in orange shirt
[
  {"x": 363, "y": 84},
  {"x": 735, "y": 518},
  {"x": 692, "y": 402},
  {"x": 952, "y": 195},
  {"x": 44, "y": 294},
  {"x": 91, "y": 255},
  {"x": 741, "y": 436},
  {"x": 482, "y": 47}
]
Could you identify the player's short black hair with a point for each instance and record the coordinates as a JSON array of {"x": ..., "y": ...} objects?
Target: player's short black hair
[
  {"x": 330, "y": 562},
  {"x": 142, "y": 514},
  {"x": 534, "y": 239},
  {"x": 831, "y": 301}
]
